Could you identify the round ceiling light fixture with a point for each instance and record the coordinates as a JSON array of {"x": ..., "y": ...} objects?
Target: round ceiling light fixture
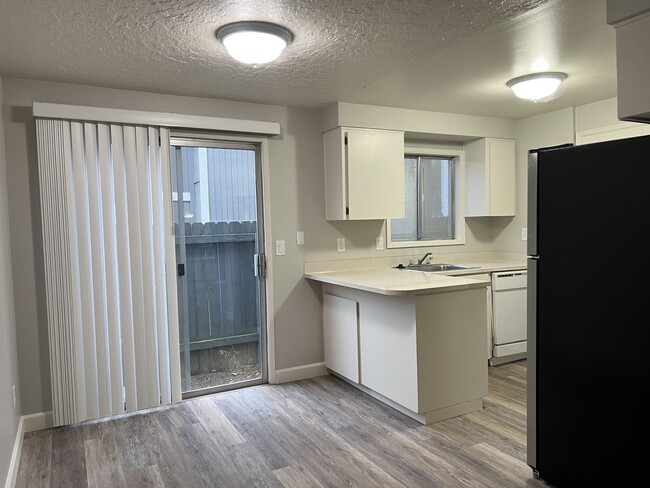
[
  {"x": 536, "y": 85},
  {"x": 254, "y": 42}
]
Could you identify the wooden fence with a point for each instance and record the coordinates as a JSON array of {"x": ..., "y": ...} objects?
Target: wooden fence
[{"x": 221, "y": 284}]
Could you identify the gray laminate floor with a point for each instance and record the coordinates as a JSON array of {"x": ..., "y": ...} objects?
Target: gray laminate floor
[{"x": 312, "y": 433}]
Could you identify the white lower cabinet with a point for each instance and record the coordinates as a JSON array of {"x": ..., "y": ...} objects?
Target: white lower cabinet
[
  {"x": 487, "y": 279},
  {"x": 388, "y": 348},
  {"x": 341, "y": 336},
  {"x": 422, "y": 354}
]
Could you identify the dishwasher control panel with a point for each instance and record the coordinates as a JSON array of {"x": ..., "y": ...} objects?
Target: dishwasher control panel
[{"x": 509, "y": 279}]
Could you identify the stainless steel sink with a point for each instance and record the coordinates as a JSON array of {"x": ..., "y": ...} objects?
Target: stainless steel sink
[{"x": 437, "y": 267}]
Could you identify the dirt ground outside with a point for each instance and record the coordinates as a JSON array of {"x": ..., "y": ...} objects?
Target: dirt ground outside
[{"x": 217, "y": 378}]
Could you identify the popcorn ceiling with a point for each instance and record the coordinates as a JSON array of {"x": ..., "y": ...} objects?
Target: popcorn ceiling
[{"x": 169, "y": 46}]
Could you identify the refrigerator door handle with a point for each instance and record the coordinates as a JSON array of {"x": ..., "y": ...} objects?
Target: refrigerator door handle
[
  {"x": 531, "y": 387},
  {"x": 532, "y": 203}
]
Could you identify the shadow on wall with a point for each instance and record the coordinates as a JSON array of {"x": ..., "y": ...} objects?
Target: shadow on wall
[
  {"x": 360, "y": 234},
  {"x": 297, "y": 203},
  {"x": 23, "y": 115},
  {"x": 479, "y": 228}
]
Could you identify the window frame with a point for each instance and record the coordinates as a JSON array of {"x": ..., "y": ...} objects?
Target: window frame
[{"x": 458, "y": 156}]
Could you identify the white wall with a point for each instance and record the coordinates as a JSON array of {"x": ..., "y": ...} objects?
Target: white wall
[
  {"x": 549, "y": 129},
  {"x": 9, "y": 416},
  {"x": 596, "y": 115},
  {"x": 416, "y": 121}
]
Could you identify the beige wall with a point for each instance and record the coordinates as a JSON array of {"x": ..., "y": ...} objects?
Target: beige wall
[
  {"x": 296, "y": 200},
  {"x": 9, "y": 416}
]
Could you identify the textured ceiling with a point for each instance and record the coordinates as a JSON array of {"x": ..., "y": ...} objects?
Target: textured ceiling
[
  {"x": 343, "y": 49},
  {"x": 470, "y": 77}
]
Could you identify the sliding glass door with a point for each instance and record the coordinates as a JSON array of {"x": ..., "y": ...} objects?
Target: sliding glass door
[{"x": 217, "y": 201}]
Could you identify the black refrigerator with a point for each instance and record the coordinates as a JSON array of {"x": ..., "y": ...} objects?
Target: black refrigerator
[{"x": 589, "y": 314}]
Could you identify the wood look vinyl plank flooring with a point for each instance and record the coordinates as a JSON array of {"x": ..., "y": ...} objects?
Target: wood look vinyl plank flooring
[{"x": 320, "y": 433}]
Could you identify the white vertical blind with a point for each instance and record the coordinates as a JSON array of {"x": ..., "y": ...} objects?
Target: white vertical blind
[
  {"x": 53, "y": 151},
  {"x": 170, "y": 260},
  {"x": 112, "y": 319},
  {"x": 158, "y": 235}
]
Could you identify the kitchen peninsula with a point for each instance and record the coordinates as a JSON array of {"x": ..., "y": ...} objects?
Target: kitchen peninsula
[{"x": 414, "y": 340}]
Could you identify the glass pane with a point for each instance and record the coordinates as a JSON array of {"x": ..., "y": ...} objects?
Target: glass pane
[
  {"x": 219, "y": 300},
  {"x": 406, "y": 229},
  {"x": 436, "y": 205}
]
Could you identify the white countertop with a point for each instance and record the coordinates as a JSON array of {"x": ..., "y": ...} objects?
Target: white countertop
[{"x": 387, "y": 280}]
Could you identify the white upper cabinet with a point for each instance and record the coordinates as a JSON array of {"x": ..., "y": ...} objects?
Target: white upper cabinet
[
  {"x": 632, "y": 22},
  {"x": 364, "y": 174},
  {"x": 490, "y": 178}
]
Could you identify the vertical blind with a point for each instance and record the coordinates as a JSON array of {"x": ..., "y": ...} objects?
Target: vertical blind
[{"x": 105, "y": 191}]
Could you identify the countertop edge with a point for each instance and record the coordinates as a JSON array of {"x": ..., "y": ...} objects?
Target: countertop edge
[
  {"x": 455, "y": 284},
  {"x": 458, "y": 280}
]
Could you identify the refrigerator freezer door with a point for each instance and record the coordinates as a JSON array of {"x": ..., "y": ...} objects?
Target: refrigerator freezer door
[{"x": 532, "y": 198}]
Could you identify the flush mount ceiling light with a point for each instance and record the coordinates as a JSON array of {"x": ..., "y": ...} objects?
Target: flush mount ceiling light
[
  {"x": 254, "y": 42},
  {"x": 537, "y": 85}
]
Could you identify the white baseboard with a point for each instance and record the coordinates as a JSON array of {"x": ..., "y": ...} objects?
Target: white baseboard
[
  {"x": 300, "y": 372},
  {"x": 15, "y": 455},
  {"x": 27, "y": 423},
  {"x": 37, "y": 421}
]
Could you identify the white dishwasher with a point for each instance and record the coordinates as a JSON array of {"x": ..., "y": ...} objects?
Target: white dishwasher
[{"x": 508, "y": 316}]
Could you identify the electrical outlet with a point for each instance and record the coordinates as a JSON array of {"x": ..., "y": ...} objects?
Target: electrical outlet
[
  {"x": 340, "y": 244},
  {"x": 380, "y": 243},
  {"x": 524, "y": 233},
  {"x": 279, "y": 248},
  {"x": 13, "y": 389}
]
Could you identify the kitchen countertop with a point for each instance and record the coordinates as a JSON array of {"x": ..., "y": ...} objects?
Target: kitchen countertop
[{"x": 388, "y": 280}]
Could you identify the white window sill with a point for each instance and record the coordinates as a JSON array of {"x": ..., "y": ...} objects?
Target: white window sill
[{"x": 446, "y": 242}]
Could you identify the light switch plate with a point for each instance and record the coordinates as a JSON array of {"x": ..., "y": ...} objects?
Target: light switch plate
[
  {"x": 524, "y": 233},
  {"x": 340, "y": 244},
  {"x": 279, "y": 248},
  {"x": 300, "y": 238},
  {"x": 380, "y": 243}
]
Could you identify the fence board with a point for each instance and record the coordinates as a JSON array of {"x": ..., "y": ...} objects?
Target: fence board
[{"x": 222, "y": 288}]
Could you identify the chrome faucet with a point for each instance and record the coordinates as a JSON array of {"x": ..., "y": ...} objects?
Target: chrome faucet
[{"x": 424, "y": 258}]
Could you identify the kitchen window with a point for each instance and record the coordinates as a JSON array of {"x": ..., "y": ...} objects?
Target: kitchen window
[{"x": 431, "y": 200}]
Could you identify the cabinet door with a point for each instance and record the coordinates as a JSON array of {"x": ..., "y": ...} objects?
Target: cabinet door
[
  {"x": 501, "y": 153},
  {"x": 388, "y": 347},
  {"x": 341, "y": 336},
  {"x": 334, "y": 153},
  {"x": 487, "y": 278},
  {"x": 490, "y": 178},
  {"x": 633, "y": 68},
  {"x": 375, "y": 172}
]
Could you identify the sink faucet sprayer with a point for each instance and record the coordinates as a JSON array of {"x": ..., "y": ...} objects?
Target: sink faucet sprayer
[{"x": 424, "y": 258}]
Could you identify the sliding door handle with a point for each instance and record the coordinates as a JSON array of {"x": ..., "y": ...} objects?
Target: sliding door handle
[{"x": 259, "y": 265}]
